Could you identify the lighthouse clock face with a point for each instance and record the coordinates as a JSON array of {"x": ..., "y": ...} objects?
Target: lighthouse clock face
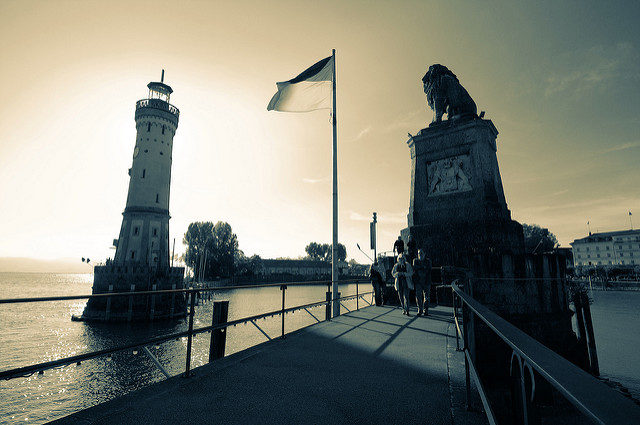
[{"x": 135, "y": 152}]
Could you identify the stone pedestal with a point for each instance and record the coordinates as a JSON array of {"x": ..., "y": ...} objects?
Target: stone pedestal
[
  {"x": 457, "y": 206},
  {"x": 131, "y": 277}
]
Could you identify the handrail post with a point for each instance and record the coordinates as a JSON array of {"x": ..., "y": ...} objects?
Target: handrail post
[
  {"x": 108, "y": 310},
  {"x": 152, "y": 312},
  {"x": 130, "y": 312},
  {"x": 455, "y": 317},
  {"x": 283, "y": 288},
  {"x": 218, "y": 336},
  {"x": 465, "y": 339},
  {"x": 173, "y": 301},
  {"x": 190, "y": 335},
  {"x": 328, "y": 305}
]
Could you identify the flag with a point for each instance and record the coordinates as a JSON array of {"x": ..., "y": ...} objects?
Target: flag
[
  {"x": 629, "y": 212},
  {"x": 309, "y": 91}
]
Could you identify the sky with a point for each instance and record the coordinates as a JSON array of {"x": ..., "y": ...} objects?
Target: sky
[{"x": 560, "y": 81}]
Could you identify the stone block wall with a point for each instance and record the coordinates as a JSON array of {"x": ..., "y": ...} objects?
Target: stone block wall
[{"x": 120, "y": 278}]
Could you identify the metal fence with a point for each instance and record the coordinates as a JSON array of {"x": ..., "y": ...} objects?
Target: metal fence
[
  {"x": 193, "y": 294},
  {"x": 594, "y": 399}
]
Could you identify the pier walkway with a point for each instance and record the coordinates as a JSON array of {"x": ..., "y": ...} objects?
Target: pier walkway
[{"x": 371, "y": 366}]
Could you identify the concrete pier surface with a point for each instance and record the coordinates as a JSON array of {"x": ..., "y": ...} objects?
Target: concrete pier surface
[{"x": 371, "y": 366}]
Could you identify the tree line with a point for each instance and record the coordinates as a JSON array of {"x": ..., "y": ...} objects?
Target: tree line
[{"x": 212, "y": 251}]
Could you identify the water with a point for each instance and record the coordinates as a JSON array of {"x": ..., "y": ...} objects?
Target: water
[
  {"x": 39, "y": 332},
  {"x": 616, "y": 320}
]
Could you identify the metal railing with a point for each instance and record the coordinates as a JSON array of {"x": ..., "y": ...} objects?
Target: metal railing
[
  {"x": 158, "y": 104},
  {"x": 26, "y": 371},
  {"x": 594, "y": 399}
]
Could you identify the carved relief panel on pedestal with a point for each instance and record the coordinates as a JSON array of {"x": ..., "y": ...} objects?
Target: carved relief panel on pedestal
[{"x": 449, "y": 175}]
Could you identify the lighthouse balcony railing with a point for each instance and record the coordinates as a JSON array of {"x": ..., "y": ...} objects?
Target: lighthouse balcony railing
[
  {"x": 158, "y": 104},
  {"x": 193, "y": 294}
]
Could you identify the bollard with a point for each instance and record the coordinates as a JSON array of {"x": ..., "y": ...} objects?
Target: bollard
[
  {"x": 283, "y": 288},
  {"x": 357, "y": 296},
  {"x": 328, "y": 306},
  {"x": 218, "y": 336},
  {"x": 581, "y": 330},
  {"x": 593, "y": 354},
  {"x": 190, "y": 336}
]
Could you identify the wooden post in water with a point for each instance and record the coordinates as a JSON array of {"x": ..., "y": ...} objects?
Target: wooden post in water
[
  {"x": 593, "y": 354},
  {"x": 218, "y": 336},
  {"x": 581, "y": 330}
]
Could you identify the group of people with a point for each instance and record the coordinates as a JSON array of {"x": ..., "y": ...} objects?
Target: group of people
[{"x": 412, "y": 271}]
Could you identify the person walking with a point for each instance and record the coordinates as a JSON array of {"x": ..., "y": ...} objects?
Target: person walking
[
  {"x": 402, "y": 272},
  {"x": 422, "y": 282},
  {"x": 398, "y": 247},
  {"x": 411, "y": 249},
  {"x": 376, "y": 281}
]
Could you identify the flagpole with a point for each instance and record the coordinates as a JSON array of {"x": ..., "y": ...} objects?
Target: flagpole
[{"x": 334, "y": 244}]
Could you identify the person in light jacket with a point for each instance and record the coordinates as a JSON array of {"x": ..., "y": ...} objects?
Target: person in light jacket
[{"x": 402, "y": 272}]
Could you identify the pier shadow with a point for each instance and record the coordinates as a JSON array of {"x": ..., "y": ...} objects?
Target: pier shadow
[{"x": 353, "y": 369}]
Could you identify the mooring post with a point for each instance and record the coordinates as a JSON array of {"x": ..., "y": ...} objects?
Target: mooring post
[
  {"x": 108, "y": 310},
  {"x": 581, "y": 331},
  {"x": 593, "y": 354},
  {"x": 283, "y": 288},
  {"x": 190, "y": 335},
  {"x": 218, "y": 336},
  {"x": 130, "y": 313},
  {"x": 328, "y": 305}
]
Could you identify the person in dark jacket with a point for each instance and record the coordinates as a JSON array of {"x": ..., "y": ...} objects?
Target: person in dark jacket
[
  {"x": 422, "y": 282},
  {"x": 376, "y": 281},
  {"x": 411, "y": 249},
  {"x": 398, "y": 247}
]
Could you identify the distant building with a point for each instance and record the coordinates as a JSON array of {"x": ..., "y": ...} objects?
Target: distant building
[
  {"x": 298, "y": 267},
  {"x": 620, "y": 248}
]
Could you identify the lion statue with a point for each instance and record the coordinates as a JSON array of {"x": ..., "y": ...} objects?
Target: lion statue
[{"x": 445, "y": 94}]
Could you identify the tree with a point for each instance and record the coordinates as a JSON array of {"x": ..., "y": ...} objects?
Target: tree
[
  {"x": 315, "y": 251},
  {"x": 322, "y": 252},
  {"x": 538, "y": 239},
  {"x": 247, "y": 266},
  {"x": 215, "y": 243}
]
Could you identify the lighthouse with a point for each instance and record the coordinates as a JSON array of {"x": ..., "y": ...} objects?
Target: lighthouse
[
  {"x": 144, "y": 234},
  {"x": 141, "y": 261}
]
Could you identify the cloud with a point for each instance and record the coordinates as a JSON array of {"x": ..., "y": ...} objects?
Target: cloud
[
  {"x": 409, "y": 121},
  {"x": 363, "y": 133},
  {"x": 622, "y": 147},
  {"x": 588, "y": 69},
  {"x": 560, "y": 192},
  {"x": 314, "y": 181}
]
